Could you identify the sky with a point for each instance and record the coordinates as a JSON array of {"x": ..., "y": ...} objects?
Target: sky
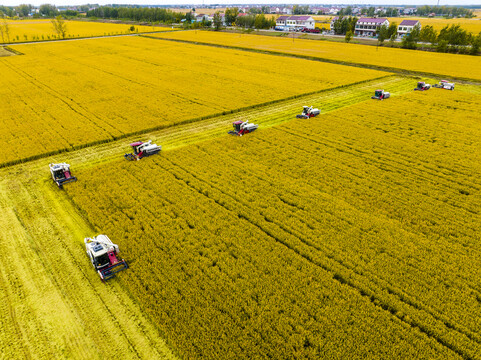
[{"x": 207, "y": 2}]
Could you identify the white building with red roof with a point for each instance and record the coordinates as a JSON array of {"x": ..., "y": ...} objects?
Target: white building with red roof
[
  {"x": 369, "y": 26},
  {"x": 295, "y": 22},
  {"x": 406, "y": 26}
]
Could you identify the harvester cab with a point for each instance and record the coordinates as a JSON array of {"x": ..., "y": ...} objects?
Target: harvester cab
[
  {"x": 444, "y": 84},
  {"x": 61, "y": 174},
  {"x": 381, "y": 95},
  {"x": 142, "y": 149},
  {"x": 103, "y": 255},
  {"x": 243, "y": 127},
  {"x": 422, "y": 86},
  {"x": 308, "y": 112}
]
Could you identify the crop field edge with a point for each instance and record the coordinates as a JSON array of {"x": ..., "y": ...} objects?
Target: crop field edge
[{"x": 320, "y": 59}]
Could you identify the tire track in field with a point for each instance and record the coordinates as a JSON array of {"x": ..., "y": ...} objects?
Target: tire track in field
[
  {"x": 44, "y": 87},
  {"x": 369, "y": 294},
  {"x": 398, "y": 157},
  {"x": 300, "y": 234},
  {"x": 96, "y": 315},
  {"x": 434, "y": 215},
  {"x": 402, "y": 169}
]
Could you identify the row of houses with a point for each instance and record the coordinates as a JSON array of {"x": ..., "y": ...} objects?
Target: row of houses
[{"x": 371, "y": 26}]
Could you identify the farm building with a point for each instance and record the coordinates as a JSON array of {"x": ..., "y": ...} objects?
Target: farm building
[
  {"x": 370, "y": 26},
  {"x": 406, "y": 26},
  {"x": 295, "y": 22}
]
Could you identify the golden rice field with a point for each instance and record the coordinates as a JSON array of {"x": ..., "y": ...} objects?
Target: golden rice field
[
  {"x": 68, "y": 94},
  {"x": 315, "y": 238},
  {"x": 351, "y": 235},
  {"x": 446, "y": 65},
  {"x": 38, "y": 30}
]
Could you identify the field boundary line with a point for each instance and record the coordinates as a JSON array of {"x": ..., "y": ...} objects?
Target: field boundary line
[
  {"x": 184, "y": 122},
  {"x": 81, "y": 38},
  {"x": 398, "y": 71}
]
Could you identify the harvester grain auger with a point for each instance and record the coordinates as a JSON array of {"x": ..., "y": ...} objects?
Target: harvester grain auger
[
  {"x": 308, "y": 112},
  {"x": 142, "y": 149},
  {"x": 422, "y": 86},
  {"x": 103, "y": 255},
  {"x": 61, "y": 174},
  {"x": 381, "y": 95},
  {"x": 243, "y": 127}
]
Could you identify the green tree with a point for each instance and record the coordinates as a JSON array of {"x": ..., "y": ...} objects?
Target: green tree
[
  {"x": 428, "y": 35},
  {"x": 382, "y": 34},
  {"x": 189, "y": 17},
  {"x": 349, "y": 35},
  {"x": 410, "y": 40},
  {"x": 48, "y": 10},
  {"x": 231, "y": 15},
  {"x": 455, "y": 36},
  {"x": 370, "y": 11},
  {"x": 4, "y": 29},
  {"x": 475, "y": 44},
  {"x": 23, "y": 10},
  {"x": 217, "y": 21},
  {"x": 261, "y": 22},
  {"x": 392, "y": 30},
  {"x": 59, "y": 26}
]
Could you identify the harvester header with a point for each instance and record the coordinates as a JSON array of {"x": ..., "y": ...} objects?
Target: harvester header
[{"x": 103, "y": 255}]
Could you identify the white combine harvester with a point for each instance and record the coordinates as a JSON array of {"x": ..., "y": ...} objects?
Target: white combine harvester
[
  {"x": 142, "y": 149},
  {"x": 308, "y": 112},
  {"x": 103, "y": 255},
  {"x": 444, "y": 84},
  {"x": 243, "y": 127},
  {"x": 61, "y": 174},
  {"x": 422, "y": 86},
  {"x": 381, "y": 95}
]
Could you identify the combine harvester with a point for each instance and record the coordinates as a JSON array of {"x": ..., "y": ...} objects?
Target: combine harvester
[
  {"x": 422, "y": 86},
  {"x": 444, "y": 84},
  {"x": 308, "y": 112},
  {"x": 243, "y": 127},
  {"x": 61, "y": 174},
  {"x": 142, "y": 149},
  {"x": 102, "y": 253},
  {"x": 381, "y": 95}
]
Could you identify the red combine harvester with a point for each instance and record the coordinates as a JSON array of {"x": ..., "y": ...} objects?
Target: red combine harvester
[
  {"x": 381, "y": 95},
  {"x": 61, "y": 174},
  {"x": 422, "y": 86},
  {"x": 243, "y": 127},
  {"x": 142, "y": 149},
  {"x": 102, "y": 253}
]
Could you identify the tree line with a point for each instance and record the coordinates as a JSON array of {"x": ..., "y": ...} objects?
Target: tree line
[{"x": 452, "y": 38}]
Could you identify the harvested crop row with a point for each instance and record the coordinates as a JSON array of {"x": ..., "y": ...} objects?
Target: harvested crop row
[
  {"x": 53, "y": 305},
  {"x": 66, "y": 95},
  {"x": 363, "y": 198}
]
